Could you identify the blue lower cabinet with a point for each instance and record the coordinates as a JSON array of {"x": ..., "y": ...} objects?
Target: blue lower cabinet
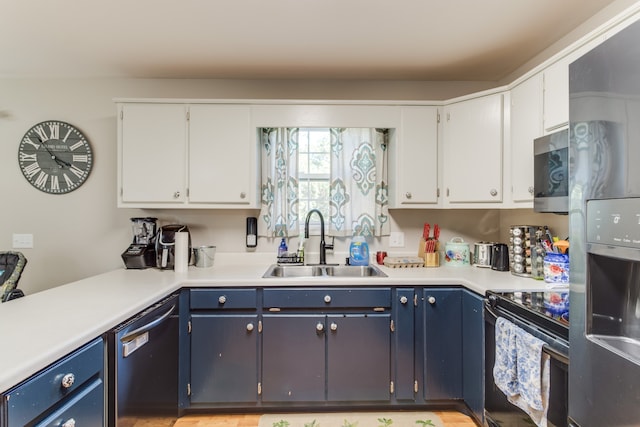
[
  {"x": 293, "y": 358},
  {"x": 473, "y": 352},
  {"x": 358, "y": 357},
  {"x": 224, "y": 358},
  {"x": 333, "y": 357},
  {"x": 442, "y": 344},
  {"x": 69, "y": 391},
  {"x": 85, "y": 408},
  {"x": 404, "y": 342},
  {"x": 337, "y": 347}
]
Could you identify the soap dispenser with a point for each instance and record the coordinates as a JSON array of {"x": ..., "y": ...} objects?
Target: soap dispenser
[{"x": 283, "y": 249}]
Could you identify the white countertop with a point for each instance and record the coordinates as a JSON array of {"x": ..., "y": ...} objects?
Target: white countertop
[{"x": 39, "y": 329}]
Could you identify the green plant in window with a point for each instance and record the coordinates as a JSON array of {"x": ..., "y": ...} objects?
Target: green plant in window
[
  {"x": 281, "y": 423},
  {"x": 385, "y": 422},
  {"x": 425, "y": 423},
  {"x": 348, "y": 424},
  {"x": 313, "y": 423}
]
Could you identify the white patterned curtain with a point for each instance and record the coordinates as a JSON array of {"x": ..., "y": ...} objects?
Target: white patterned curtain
[
  {"x": 279, "y": 187},
  {"x": 359, "y": 182}
]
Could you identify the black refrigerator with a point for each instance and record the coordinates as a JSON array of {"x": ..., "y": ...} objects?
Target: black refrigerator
[{"x": 604, "y": 228}]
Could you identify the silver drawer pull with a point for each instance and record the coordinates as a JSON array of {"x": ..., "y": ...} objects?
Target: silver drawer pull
[
  {"x": 68, "y": 380},
  {"x": 69, "y": 423}
]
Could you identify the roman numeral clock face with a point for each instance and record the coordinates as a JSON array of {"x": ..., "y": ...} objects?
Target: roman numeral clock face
[{"x": 55, "y": 157}]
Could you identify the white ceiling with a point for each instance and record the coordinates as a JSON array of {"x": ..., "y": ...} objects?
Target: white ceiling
[{"x": 285, "y": 39}]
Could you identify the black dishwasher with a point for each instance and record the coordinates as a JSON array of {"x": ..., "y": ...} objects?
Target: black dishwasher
[{"x": 143, "y": 366}]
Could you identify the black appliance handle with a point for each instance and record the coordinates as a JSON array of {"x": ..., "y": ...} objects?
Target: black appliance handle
[
  {"x": 145, "y": 328},
  {"x": 545, "y": 348}
]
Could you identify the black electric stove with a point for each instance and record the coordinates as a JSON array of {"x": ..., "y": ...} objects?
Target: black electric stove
[
  {"x": 549, "y": 310},
  {"x": 544, "y": 315}
]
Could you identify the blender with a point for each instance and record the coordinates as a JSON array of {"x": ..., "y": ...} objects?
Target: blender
[{"x": 141, "y": 253}]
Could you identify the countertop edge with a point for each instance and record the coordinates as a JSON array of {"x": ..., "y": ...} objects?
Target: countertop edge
[{"x": 59, "y": 320}]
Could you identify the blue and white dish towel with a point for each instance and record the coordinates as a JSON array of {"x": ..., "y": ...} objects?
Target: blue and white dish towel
[{"x": 521, "y": 370}]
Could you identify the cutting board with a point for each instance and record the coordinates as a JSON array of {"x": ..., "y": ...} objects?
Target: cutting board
[{"x": 403, "y": 262}]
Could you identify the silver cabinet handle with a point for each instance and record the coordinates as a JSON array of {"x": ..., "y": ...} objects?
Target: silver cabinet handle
[
  {"x": 243, "y": 195},
  {"x": 403, "y": 300},
  {"x": 493, "y": 192},
  {"x": 69, "y": 423},
  {"x": 319, "y": 327},
  {"x": 408, "y": 195},
  {"x": 327, "y": 299},
  {"x": 334, "y": 326},
  {"x": 531, "y": 190},
  {"x": 68, "y": 380},
  {"x": 432, "y": 300},
  {"x": 176, "y": 195},
  {"x": 249, "y": 327},
  {"x": 222, "y": 299}
]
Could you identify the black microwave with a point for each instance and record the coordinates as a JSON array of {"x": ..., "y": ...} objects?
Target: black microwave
[{"x": 551, "y": 173}]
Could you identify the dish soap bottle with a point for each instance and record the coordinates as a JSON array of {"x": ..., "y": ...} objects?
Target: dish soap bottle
[
  {"x": 282, "y": 249},
  {"x": 358, "y": 251}
]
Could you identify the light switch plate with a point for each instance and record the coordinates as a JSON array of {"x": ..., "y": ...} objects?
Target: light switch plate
[
  {"x": 396, "y": 239},
  {"x": 22, "y": 241}
]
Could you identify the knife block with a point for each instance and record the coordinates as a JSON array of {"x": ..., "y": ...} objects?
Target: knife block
[
  {"x": 431, "y": 259},
  {"x": 421, "y": 247}
]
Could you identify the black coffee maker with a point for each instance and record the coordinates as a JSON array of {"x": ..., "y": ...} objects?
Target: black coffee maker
[
  {"x": 141, "y": 253},
  {"x": 166, "y": 245}
]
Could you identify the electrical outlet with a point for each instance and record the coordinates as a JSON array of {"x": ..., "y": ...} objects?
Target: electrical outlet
[
  {"x": 396, "y": 239},
  {"x": 22, "y": 241}
]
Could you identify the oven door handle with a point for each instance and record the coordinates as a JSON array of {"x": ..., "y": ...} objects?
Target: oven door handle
[{"x": 545, "y": 348}]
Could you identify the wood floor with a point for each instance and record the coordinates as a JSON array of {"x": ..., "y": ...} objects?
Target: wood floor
[{"x": 449, "y": 418}]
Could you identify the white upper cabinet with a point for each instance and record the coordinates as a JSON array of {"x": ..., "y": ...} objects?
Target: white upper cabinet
[
  {"x": 472, "y": 151},
  {"x": 556, "y": 87},
  {"x": 152, "y": 143},
  {"x": 176, "y": 155},
  {"x": 556, "y": 95},
  {"x": 525, "y": 126},
  {"x": 413, "y": 178},
  {"x": 222, "y": 155}
]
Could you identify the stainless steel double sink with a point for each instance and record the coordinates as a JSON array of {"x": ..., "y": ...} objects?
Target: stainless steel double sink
[{"x": 326, "y": 270}]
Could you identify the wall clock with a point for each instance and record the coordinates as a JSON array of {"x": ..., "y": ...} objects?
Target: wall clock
[{"x": 55, "y": 157}]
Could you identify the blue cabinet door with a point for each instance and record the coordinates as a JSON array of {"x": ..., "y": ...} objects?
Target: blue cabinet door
[
  {"x": 442, "y": 343},
  {"x": 224, "y": 358},
  {"x": 404, "y": 343},
  {"x": 473, "y": 352},
  {"x": 358, "y": 357},
  {"x": 293, "y": 358}
]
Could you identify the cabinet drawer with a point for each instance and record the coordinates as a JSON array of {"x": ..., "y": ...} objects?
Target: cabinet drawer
[
  {"x": 208, "y": 299},
  {"x": 327, "y": 298},
  {"x": 85, "y": 408},
  {"x": 43, "y": 390}
]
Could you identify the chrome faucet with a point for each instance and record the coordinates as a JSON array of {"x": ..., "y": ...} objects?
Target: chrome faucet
[{"x": 323, "y": 245}]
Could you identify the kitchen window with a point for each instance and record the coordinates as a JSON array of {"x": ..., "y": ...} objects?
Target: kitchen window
[
  {"x": 340, "y": 171},
  {"x": 314, "y": 170}
]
